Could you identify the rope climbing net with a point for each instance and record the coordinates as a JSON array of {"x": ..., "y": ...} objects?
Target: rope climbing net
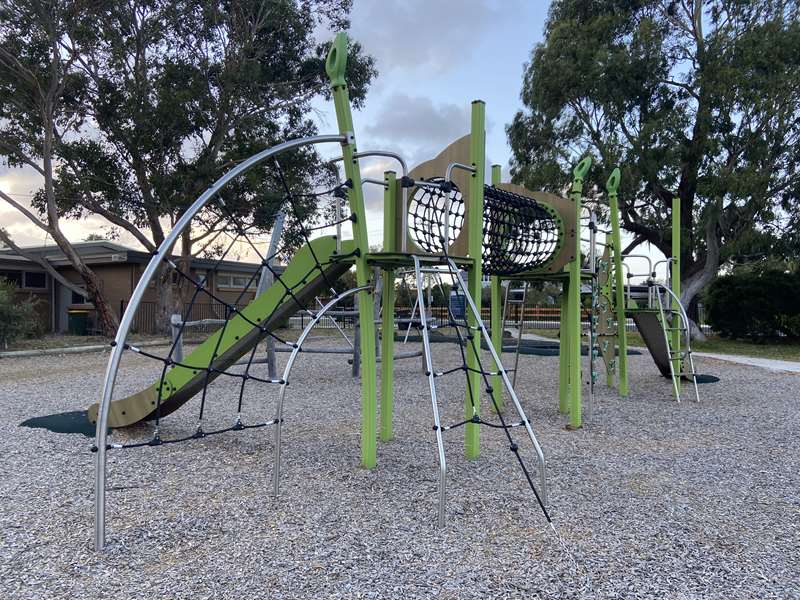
[
  {"x": 427, "y": 207},
  {"x": 519, "y": 234},
  {"x": 242, "y": 318},
  {"x": 469, "y": 338}
]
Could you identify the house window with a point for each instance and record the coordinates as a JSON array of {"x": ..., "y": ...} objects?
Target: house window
[
  {"x": 233, "y": 281},
  {"x": 79, "y": 298},
  {"x": 14, "y": 277},
  {"x": 34, "y": 280},
  {"x": 31, "y": 280}
]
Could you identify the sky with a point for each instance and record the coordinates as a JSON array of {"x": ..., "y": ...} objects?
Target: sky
[{"x": 434, "y": 57}]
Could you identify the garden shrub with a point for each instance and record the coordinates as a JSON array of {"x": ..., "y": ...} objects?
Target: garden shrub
[
  {"x": 17, "y": 318},
  {"x": 755, "y": 305}
]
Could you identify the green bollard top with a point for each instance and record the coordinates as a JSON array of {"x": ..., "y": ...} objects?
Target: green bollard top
[
  {"x": 580, "y": 170},
  {"x": 613, "y": 182},
  {"x": 336, "y": 62}
]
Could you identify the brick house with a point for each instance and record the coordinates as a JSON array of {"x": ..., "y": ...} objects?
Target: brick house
[{"x": 119, "y": 269}]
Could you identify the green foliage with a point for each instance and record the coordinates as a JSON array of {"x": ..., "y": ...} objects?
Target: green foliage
[
  {"x": 755, "y": 305},
  {"x": 174, "y": 93},
  {"x": 18, "y": 318},
  {"x": 696, "y": 99}
]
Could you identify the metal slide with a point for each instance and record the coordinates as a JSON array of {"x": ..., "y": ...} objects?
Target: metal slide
[
  {"x": 652, "y": 332},
  {"x": 268, "y": 311}
]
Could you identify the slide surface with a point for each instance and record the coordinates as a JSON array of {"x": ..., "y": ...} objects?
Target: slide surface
[
  {"x": 228, "y": 344},
  {"x": 649, "y": 326}
]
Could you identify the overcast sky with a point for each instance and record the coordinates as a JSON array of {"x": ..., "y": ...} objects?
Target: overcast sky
[{"x": 434, "y": 58}]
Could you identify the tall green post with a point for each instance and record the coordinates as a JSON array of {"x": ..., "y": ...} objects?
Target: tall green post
[
  {"x": 563, "y": 352},
  {"x": 477, "y": 155},
  {"x": 676, "y": 289},
  {"x": 574, "y": 301},
  {"x": 612, "y": 185},
  {"x": 387, "y": 310},
  {"x": 497, "y": 317},
  {"x": 335, "y": 66}
]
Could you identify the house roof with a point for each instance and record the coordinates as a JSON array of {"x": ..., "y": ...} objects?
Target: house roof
[{"x": 106, "y": 252}]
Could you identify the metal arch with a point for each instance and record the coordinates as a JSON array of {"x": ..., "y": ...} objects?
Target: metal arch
[
  {"x": 101, "y": 433},
  {"x": 404, "y": 168},
  {"x": 276, "y": 467}
]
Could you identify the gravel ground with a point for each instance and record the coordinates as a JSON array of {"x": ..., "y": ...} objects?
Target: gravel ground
[{"x": 652, "y": 500}]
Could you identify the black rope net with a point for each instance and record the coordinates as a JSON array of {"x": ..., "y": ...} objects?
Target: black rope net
[
  {"x": 519, "y": 234},
  {"x": 426, "y": 208},
  {"x": 214, "y": 290},
  {"x": 468, "y": 340}
]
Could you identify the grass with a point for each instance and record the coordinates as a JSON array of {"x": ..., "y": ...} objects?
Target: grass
[{"x": 774, "y": 349}]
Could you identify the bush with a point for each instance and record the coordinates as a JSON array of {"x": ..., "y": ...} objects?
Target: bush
[
  {"x": 17, "y": 319},
  {"x": 755, "y": 305}
]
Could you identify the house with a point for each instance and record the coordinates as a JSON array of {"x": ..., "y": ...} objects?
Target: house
[{"x": 119, "y": 269}]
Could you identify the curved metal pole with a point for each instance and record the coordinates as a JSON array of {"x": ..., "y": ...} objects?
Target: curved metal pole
[
  {"x": 649, "y": 260},
  {"x": 668, "y": 261},
  {"x": 276, "y": 467},
  {"x": 687, "y": 335},
  {"x": 101, "y": 432},
  {"x": 404, "y": 169}
]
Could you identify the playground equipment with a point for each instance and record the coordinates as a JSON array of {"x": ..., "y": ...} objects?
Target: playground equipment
[
  {"x": 564, "y": 266},
  {"x": 439, "y": 219},
  {"x": 662, "y": 321}
]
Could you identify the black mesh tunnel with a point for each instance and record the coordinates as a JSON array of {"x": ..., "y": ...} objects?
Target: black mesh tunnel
[{"x": 519, "y": 234}]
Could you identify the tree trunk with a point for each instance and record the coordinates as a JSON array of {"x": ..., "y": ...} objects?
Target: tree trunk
[{"x": 694, "y": 284}]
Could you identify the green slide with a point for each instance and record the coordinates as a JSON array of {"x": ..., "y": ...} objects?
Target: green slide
[{"x": 227, "y": 345}]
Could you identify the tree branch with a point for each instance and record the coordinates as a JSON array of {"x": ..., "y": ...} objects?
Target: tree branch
[{"x": 41, "y": 261}]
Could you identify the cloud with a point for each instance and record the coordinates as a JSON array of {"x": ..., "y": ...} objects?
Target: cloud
[
  {"x": 432, "y": 35},
  {"x": 419, "y": 124}
]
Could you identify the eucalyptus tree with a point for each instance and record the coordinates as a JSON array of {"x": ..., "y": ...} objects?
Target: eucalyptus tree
[
  {"x": 694, "y": 98},
  {"x": 180, "y": 91},
  {"x": 42, "y": 100}
]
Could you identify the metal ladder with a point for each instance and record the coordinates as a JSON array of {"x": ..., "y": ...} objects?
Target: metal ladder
[
  {"x": 431, "y": 374},
  {"x": 507, "y": 301},
  {"x": 678, "y": 322}
]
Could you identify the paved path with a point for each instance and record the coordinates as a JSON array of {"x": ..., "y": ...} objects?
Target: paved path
[{"x": 765, "y": 363}]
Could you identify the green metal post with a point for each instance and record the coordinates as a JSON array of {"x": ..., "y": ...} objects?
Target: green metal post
[
  {"x": 477, "y": 154},
  {"x": 574, "y": 300},
  {"x": 497, "y": 318},
  {"x": 563, "y": 355},
  {"x": 622, "y": 334},
  {"x": 676, "y": 289},
  {"x": 387, "y": 314},
  {"x": 335, "y": 66}
]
